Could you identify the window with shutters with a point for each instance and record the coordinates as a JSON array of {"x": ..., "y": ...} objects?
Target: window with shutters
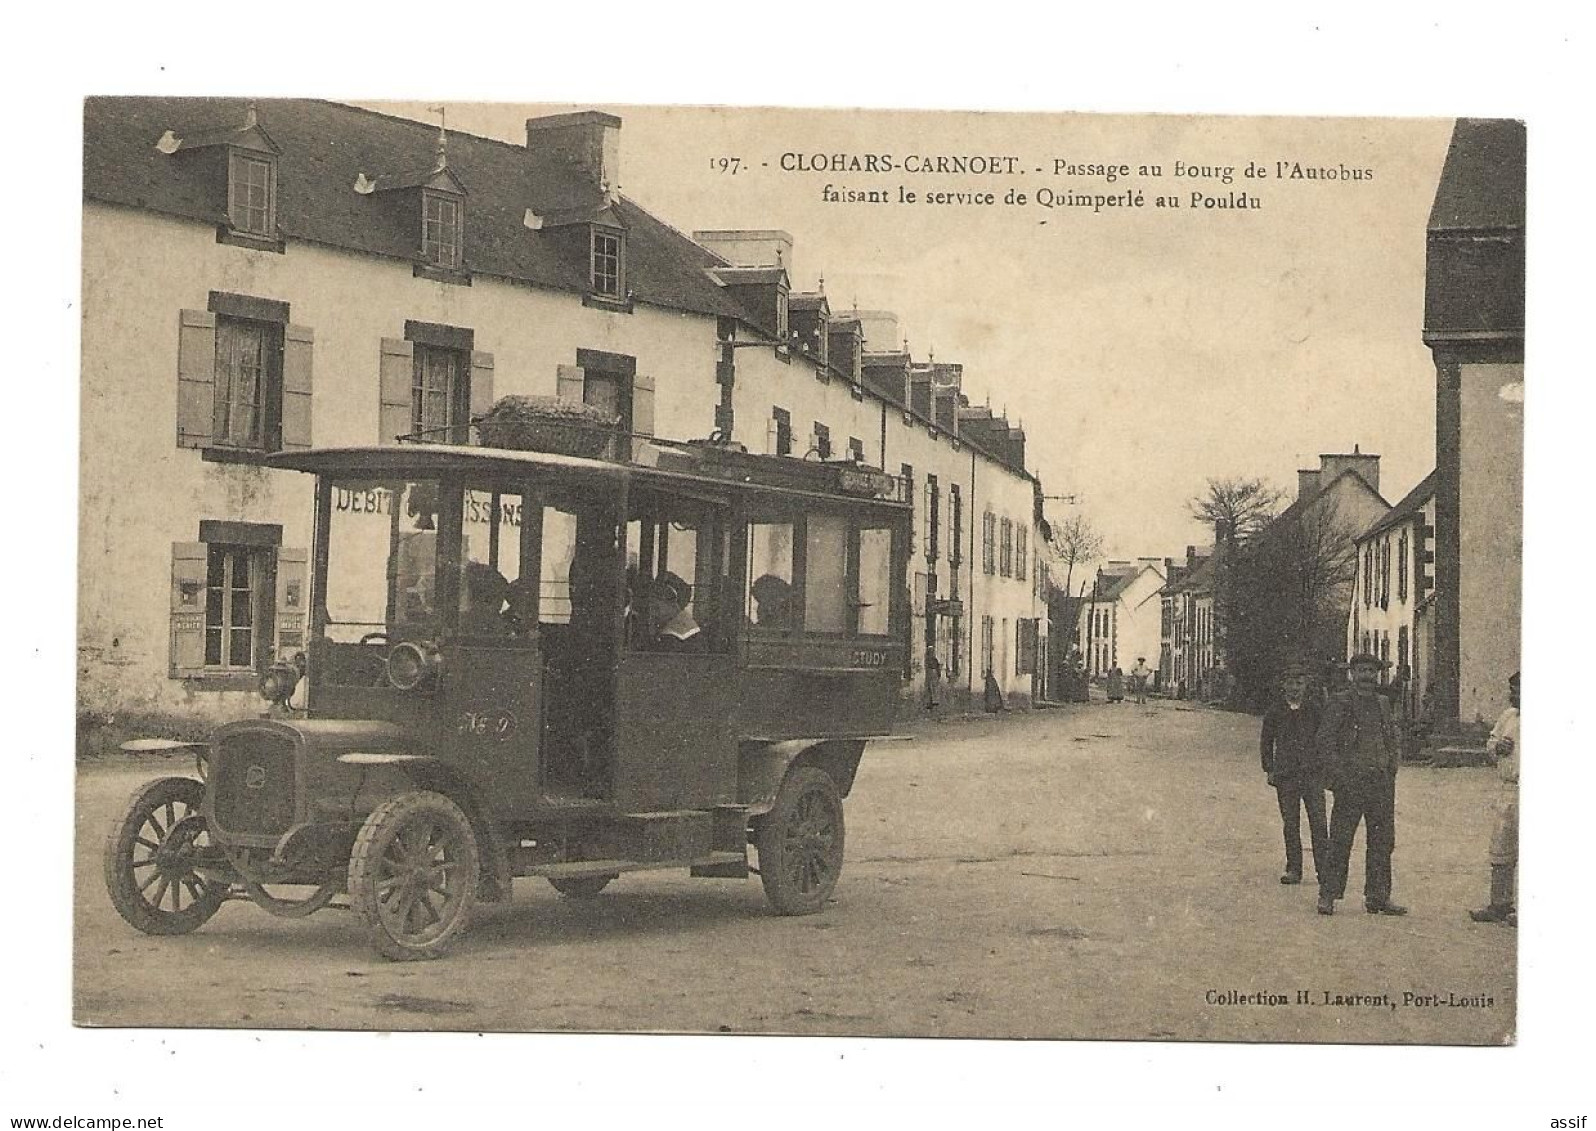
[
  {"x": 247, "y": 384},
  {"x": 244, "y": 378},
  {"x": 442, "y": 229},
  {"x": 856, "y": 449},
  {"x": 822, "y": 444},
  {"x": 955, "y": 527},
  {"x": 781, "y": 432},
  {"x": 239, "y": 601},
  {"x": 1402, "y": 566},
  {"x": 252, "y": 194},
  {"x": 1385, "y": 573},
  {"x": 432, "y": 384},
  {"x": 608, "y": 262},
  {"x": 232, "y": 606},
  {"x": 611, "y": 382}
]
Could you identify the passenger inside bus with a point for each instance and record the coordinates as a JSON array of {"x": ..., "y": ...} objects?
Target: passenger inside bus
[
  {"x": 773, "y": 602},
  {"x": 670, "y": 616}
]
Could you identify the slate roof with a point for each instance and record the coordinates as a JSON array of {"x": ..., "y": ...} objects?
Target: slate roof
[
  {"x": 1300, "y": 505},
  {"x": 325, "y": 146},
  {"x": 1199, "y": 580},
  {"x": 1482, "y": 183},
  {"x": 1412, "y": 504},
  {"x": 1114, "y": 584}
]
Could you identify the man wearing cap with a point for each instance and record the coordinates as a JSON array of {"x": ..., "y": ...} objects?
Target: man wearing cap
[
  {"x": 1290, "y": 758},
  {"x": 1358, "y": 752},
  {"x": 1503, "y": 744}
]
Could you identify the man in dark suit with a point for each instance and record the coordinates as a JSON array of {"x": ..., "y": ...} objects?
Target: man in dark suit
[
  {"x": 1358, "y": 752},
  {"x": 1290, "y": 758}
]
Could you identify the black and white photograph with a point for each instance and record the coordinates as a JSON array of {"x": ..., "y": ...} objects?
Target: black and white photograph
[
  {"x": 799, "y": 572},
  {"x": 793, "y": 565}
]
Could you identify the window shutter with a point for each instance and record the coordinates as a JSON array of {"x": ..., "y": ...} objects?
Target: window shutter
[
  {"x": 297, "y": 343},
  {"x": 396, "y": 372},
  {"x": 772, "y": 432},
  {"x": 293, "y": 600},
  {"x": 196, "y": 378},
  {"x": 481, "y": 383},
  {"x": 569, "y": 380},
  {"x": 188, "y": 608},
  {"x": 643, "y": 404}
]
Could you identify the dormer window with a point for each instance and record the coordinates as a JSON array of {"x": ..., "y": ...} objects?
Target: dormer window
[
  {"x": 251, "y": 194},
  {"x": 440, "y": 230},
  {"x": 238, "y": 164},
  {"x": 608, "y": 263}
]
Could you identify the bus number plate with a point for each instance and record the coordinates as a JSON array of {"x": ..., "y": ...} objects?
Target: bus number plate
[
  {"x": 868, "y": 658},
  {"x": 486, "y": 724}
]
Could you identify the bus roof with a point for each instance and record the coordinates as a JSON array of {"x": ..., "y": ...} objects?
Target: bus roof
[{"x": 690, "y": 466}]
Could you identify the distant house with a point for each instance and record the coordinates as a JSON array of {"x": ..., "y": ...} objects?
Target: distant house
[
  {"x": 1393, "y": 595},
  {"x": 1294, "y": 578},
  {"x": 1118, "y": 620},
  {"x": 1194, "y": 651},
  {"x": 1474, "y": 326}
]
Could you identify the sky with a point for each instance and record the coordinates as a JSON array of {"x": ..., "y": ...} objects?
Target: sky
[{"x": 1144, "y": 350}]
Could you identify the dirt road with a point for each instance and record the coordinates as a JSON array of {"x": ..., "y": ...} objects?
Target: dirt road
[{"x": 1101, "y": 871}]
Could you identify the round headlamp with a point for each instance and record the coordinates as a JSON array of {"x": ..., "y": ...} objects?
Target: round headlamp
[
  {"x": 413, "y": 667},
  {"x": 277, "y": 683}
]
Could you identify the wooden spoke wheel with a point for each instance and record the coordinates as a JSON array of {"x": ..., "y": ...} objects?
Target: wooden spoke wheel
[
  {"x": 582, "y": 887},
  {"x": 800, "y": 843},
  {"x": 413, "y": 875},
  {"x": 150, "y": 857}
]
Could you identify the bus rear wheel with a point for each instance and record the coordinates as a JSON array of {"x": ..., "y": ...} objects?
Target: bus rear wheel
[{"x": 800, "y": 843}]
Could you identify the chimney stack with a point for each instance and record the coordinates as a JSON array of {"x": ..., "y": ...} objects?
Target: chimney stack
[
  {"x": 587, "y": 141},
  {"x": 753, "y": 247},
  {"x": 1366, "y": 466},
  {"x": 1307, "y": 483}
]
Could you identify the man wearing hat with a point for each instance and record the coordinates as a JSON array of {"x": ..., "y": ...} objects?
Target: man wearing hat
[
  {"x": 1503, "y": 744},
  {"x": 1290, "y": 729},
  {"x": 1358, "y": 752}
]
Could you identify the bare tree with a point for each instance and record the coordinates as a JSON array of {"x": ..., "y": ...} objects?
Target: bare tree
[
  {"x": 1242, "y": 506},
  {"x": 1290, "y": 588},
  {"x": 1076, "y": 542}
]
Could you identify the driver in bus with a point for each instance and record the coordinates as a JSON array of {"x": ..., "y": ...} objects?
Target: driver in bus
[
  {"x": 484, "y": 592},
  {"x": 670, "y": 617}
]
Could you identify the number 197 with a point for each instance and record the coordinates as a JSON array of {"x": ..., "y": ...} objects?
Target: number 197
[{"x": 731, "y": 166}]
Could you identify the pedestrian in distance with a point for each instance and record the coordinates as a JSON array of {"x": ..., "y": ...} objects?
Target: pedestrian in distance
[
  {"x": 1358, "y": 752},
  {"x": 1139, "y": 677},
  {"x": 1289, "y": 748},
  {"x": 1504, "y": 744},
  {"x": 1114, "y": 684}
]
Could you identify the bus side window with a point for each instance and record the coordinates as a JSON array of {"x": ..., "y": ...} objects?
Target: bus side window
[
  {"x": 826, "y": 596},
  {"x": 875, "y": 580},
  {"x": 771, "y": 596}
]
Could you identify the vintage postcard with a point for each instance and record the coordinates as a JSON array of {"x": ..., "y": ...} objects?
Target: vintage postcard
[{"x": 850, "y": 573}]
